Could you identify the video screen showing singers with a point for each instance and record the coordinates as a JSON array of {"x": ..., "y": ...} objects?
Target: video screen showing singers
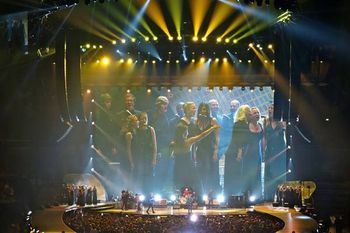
[{"x": 210, "y": 139}]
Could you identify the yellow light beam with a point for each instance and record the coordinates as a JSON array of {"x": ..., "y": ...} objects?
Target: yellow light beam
[
  {"x": 235, "y": 23},
  {"x": 245, "y": 27},
  {"x": 221, "y": 12},
  {"x": 199, "y": 9},
  {"x": 155, "y": 13},
  {"x": 175, "y": 8}
]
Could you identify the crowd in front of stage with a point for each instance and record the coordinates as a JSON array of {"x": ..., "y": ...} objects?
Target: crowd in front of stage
[{"x": 156, "y": 152}]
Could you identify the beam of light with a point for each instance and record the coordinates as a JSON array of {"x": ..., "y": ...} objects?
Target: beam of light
[
  {"x": 82, "y": 21},
  {"x": 235, "y": 23},
  {"x": 155, "y": 12},
  {"x": 148, "y": 48},
  {"x": 221, "y": 12},
  {"x": 99, "y": 153},
  {"x": 199, "y": 9},
  {"x": 245, "y": 27},
  {"x": 257, "y": 28},
  {"x": 68, "y": 130},
  {"x": 175, "y": 9},
  {"x": 262, "y": 57},
  {"x": 258, "y": 13},
  {"x": 105, "y": 134},
  {"x": 281, "y": 153},
  {"x": 134, "y": 23},
  {"x": 134, "y": 11}
]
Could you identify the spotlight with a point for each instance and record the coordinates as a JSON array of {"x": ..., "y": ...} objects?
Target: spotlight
[
  {"x": 227, "y": 40},
  {"x": 270, "y": 46},
  {"x": 192, "y": 60},
  {"x": 167, "y": 61},
  {"x": 169, "y": 90},
  {"x": 171, "y": 38},
  {"x": 154, "y": 62},
  {"x": 249, "y": 61},
  {"x": 133, "y": 40},
  {"x": 218, "y": 40},
  {"x": 155, "y": 38},
  {"x": 146, "y": 38},
  {"x": 195, "y": 38},
  {"x": 177, "y": 61},
  {"x": 172, "y": 197},
  {"x": 93, "y": 101},
  {"x": 220, "y": 198},
  {"x": 157, "y": 197},
  {"x": 204, "y": 39},
  {"x": 224, "y": 59},
  {"x": 142, "y": 197},
  {"x": 235, "y": 41},
  {"x": 289, "y": 171},
  {"x": 145, "y": 61},
  {"x": 114, "y": 42},
  {"x": 123, "y": 41},
  {"x": 194, "y": 218},
  {"x": 251, "y": 45},
  {"x": 88, "y": 91},
  {"x": 179, "y": 38},
  {"x": 205, "y": 197},
  {"x": 252, "y": 198},
  {"x": 92, "y": 169}
]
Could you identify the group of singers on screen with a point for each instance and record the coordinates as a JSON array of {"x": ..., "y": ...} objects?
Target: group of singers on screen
[{"x": 160, "y": 153}]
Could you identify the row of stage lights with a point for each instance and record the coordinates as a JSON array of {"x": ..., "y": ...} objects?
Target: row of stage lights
[
  {"x": 107, "y": 61},
  {"x": 178, "y": 38},
  {"x": 190, "y": 89}
]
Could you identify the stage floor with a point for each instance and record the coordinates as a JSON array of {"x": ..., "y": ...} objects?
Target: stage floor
[{"x": 294, "y": 221}]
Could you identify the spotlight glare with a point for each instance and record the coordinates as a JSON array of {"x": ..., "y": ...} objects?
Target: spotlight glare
[
  {"x": 123, "y": 41},
  {"x": 114, "y": 42},
  {"x": 218, "y": 39},
  {"x": 235, "y": 41},
  {"x": 88, "y": 91},
  {"x": 172, "y": 197},
  {"x": 145, "y": 61},
  {"x": 157, "y": 197},
  {"x": 224, "y": 59},
  {"x": 142, "y": 197},
  {"x": 204, "y": 39},
  {"x": 195, "y": 38},
  {"x": 205, "y": 197},
  {"x": 270, "y": 46},
  {"x": 129, "y": 61},
  {"x": 146, "y": 38},
  {"x": 252, "y": 198},
  {"x": 251, "y": 45},
  {"x": 227, "y": 40},
  {"x": 192, "y": 60},
  {"x": 249, "y": 61},
  {"x": 220, "y": 198},
  {"x": 194, "y": 218},
  {"x": 289, "y": 171},
  {"x": 133, "y": 40},
  {"x": 217, "y": 59},
  {"x": 154, "y": 62},
  {"x": 92, "y": 169},
  {"x": 105, "y": 60},
  {"x": 155, "y": 38},
  {"x": 202, "y": 59},
  {"x": 171, "y": 38},
  {"x": 177, "y": 61},
  {"x": 179, "y": 38},
  {"x": 167, "y": 61}
]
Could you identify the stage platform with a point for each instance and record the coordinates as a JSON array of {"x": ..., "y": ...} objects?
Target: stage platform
[{"x": 50, "y": 220}]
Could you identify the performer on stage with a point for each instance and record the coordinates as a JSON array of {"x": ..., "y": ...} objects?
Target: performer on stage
[
  {"x": 235, "y": 152},
  {"x": 252, "y": 159},
  {"x": 207, "y": 151},
  {"x": 275, "y": 154},
  {"x": 145, "y": 154},
  {"x": 184, "y": 172}
]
